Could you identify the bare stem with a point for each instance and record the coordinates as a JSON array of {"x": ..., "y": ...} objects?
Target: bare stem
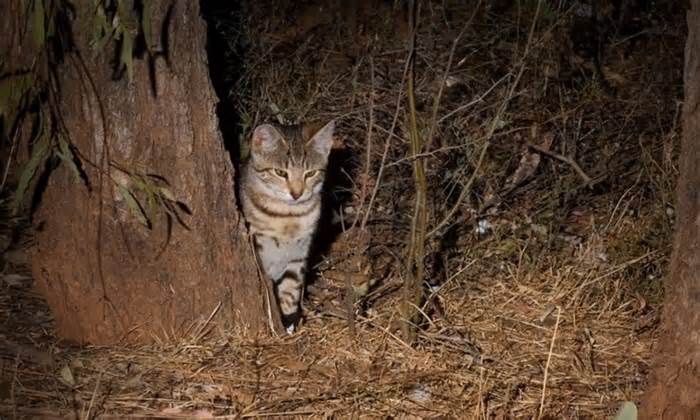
[
  {"x": 387, "y": 144},
  {"x": 416, "y": 247},
  {"x": 368, "y": 149}
]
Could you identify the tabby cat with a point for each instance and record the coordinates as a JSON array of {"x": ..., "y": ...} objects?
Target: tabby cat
[{"x": 281, "y": 196}]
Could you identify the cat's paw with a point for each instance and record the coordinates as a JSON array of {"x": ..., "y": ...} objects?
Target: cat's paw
[{"x": 291, "y": 321}]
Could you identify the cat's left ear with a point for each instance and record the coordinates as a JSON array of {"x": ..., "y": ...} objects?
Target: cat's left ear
[
  {"x": 266, "y": 138},
  {"x": 322, "y": 141}
]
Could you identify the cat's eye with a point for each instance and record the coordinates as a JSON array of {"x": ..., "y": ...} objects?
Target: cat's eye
[
  {"x": 309, "y": 174},
  {"x": 281, "y": 173}
]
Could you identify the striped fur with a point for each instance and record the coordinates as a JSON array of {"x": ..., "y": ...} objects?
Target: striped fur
[{"x": 281, "y": 196}]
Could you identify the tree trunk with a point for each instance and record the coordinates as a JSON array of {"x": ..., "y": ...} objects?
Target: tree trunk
[
  {"x": 674, "y": 390},
  {"x": 15, "y": 43},
  {"x": 107, "y": 277}
]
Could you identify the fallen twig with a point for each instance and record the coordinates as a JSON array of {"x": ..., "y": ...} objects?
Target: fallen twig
[{"x": 539, "y": 149}]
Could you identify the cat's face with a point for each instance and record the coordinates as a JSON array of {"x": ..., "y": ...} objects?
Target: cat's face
[{"x": 290, "y": 161}]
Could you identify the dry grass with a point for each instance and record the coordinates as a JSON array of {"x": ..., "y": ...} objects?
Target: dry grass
[
  {"x": 488, "y": 355},
  {"x": 550, "y": 312}
]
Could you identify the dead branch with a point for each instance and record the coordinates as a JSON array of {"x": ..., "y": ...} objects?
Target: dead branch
[
  {"x": 492, "y": 128},
  {"x": 539, "y": 149}
]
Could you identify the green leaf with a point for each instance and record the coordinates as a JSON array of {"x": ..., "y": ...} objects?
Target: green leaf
[
  {"x": 5, "y": 95},
  {"x": 51, "y": 27},
  {"x": 146, "y": 22},
  {"x": 140, "y": 183},
  {"x": 38, "y": 23},
  {"x": 124, "y": 8},
  {"x": 133, "y": 205},
  {"x": 126, "y": 56},
  {"x": 67, "y": 375},
  {"x": 66, "y": 155},
  {"x": 12, "y": 91},
  {"x": 167, "y": 193},
  {"x": 628, "y": 411},
  {"x": 101, "y": 29},
  {"x": 152, "y": 203},
  {"x": 39, "y": 154}
]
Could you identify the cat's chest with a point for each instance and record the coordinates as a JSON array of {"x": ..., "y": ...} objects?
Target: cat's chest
[
  {"x": 284, "y": 223},
  {"x": 290, "y": 229}
]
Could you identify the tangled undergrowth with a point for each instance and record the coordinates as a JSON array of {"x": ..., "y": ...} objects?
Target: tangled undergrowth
[{"x": 550, "y": 147}]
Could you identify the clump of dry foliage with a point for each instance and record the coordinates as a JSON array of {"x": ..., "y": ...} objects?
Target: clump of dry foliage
[{"x": 550, "y": 167}]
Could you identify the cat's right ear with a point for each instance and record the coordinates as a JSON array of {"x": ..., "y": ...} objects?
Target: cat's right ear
[
  {"x": 322, "y": 141},
  {"x": 266, "y": 138}
]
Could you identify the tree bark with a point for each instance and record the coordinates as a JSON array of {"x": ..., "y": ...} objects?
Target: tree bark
[
  {"x": 16, "y": 58},
  {"x": 674, "y": 390},
  {"x": 107, "y": 277}
]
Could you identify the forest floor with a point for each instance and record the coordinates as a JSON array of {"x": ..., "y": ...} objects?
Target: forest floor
[{"x": 551, "y": 146}]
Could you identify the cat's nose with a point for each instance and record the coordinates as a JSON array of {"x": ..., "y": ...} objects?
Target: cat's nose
[{"x": 296, "y": 192}]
